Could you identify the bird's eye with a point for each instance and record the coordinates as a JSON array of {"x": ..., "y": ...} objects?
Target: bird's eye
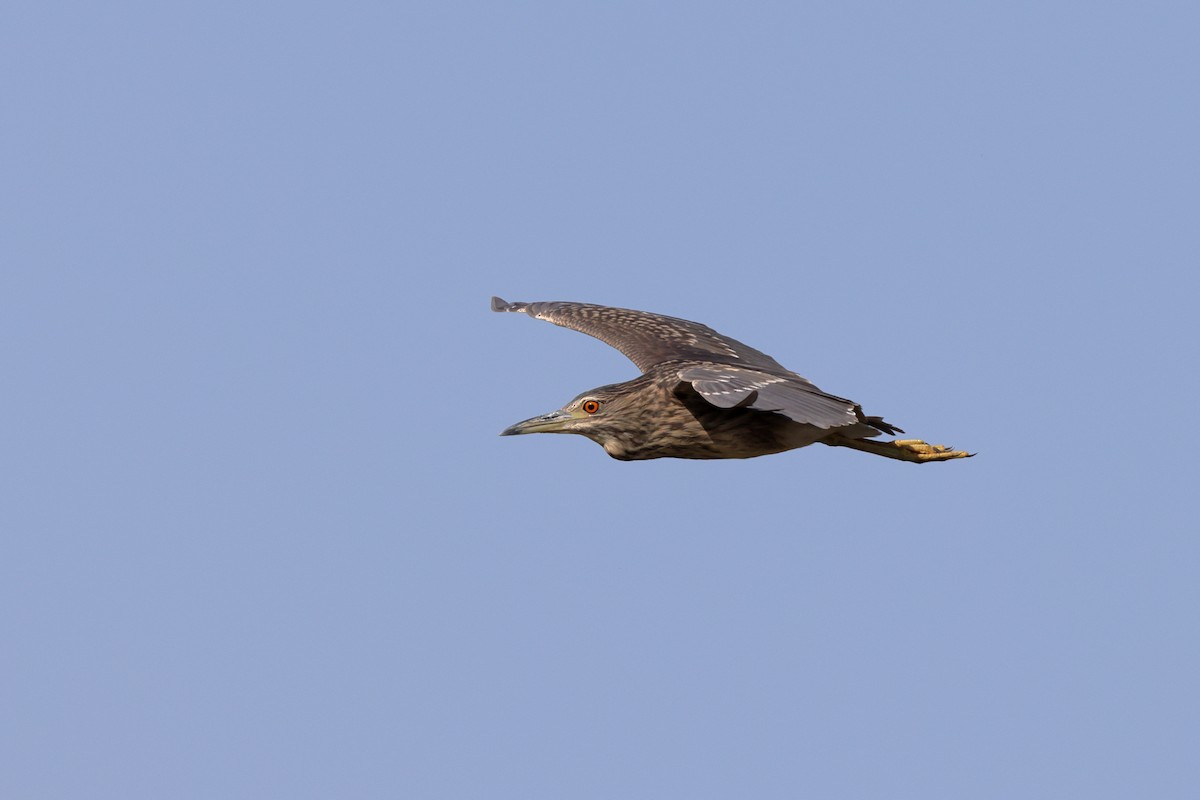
[{"x": 591, "y": 406}]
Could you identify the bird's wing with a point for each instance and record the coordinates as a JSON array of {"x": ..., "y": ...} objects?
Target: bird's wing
[
  {"x": 727, "y": 386},
  {"x": 646, "y": 339}
]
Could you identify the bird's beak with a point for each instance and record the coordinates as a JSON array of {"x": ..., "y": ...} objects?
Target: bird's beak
[{"x": 546, "y": 423}]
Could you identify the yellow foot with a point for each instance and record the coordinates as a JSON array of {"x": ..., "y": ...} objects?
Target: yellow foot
[{"x": 918, "y": 450}]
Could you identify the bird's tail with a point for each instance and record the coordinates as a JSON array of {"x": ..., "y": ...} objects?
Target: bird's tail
[{"x": 877, "y": 422}]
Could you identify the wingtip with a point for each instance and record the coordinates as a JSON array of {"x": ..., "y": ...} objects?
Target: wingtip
[{"x": 500, "y": 304}]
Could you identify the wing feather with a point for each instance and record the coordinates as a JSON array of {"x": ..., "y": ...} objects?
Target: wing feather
[
  {"x": 646, "y": 339},
  {"x": 726, "y": 386}
]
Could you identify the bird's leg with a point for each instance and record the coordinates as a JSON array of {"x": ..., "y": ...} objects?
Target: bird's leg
[{"x": 914, "y": 450}]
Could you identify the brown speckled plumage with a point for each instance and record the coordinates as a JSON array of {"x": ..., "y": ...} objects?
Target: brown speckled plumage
[{"x": 703, "y": 395}]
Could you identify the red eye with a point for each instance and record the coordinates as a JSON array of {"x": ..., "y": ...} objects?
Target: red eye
[{"x": 591, "y": 406}]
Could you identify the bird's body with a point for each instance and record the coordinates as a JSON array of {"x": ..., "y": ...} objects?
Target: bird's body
[
  {"x": 703, "y": 395},
  {"x": 638, "y": 429}
]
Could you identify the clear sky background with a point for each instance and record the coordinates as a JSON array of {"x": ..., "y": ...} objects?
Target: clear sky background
[{"x": 258, "y": 535}]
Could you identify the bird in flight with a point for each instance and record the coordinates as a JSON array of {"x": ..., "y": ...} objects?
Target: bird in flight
[{"x": 704, "y": 395}]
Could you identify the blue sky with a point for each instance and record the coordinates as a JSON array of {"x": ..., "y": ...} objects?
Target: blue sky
[{"x": 260, "y": 538}]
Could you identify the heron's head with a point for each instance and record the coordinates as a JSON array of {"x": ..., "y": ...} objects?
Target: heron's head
[{"x": 609, "y": 415}]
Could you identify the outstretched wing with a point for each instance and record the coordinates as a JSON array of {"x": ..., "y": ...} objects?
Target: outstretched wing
[
  {"x": 646, "y": 339},
  {"x": 728, "y": 386}
]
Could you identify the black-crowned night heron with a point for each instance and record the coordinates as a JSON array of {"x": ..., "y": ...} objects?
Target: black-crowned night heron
[{"x": 704, "y": 395}]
